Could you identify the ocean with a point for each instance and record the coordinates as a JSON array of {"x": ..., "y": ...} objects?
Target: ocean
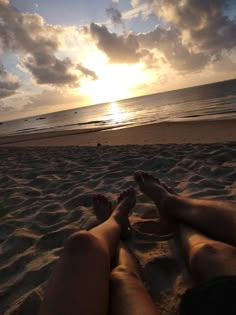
[{"x": 205, "y": 102}]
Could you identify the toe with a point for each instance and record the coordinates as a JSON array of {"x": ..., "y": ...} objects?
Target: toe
[
  {"x": 138, "y": 177},
  {"x": 100, "y": 200},
  {"x": 146, "y": 176},
  {"x": 168, "y": 188},
  {"x": 121, "y": 196},
  {"x": 149, "y": 177},
  {"x": 128, "y": 193}
]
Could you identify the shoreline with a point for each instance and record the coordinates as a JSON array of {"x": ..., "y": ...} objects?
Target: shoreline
[{"x": 211, "y": 131}]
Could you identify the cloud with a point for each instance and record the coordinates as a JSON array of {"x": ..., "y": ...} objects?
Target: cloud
[
  {"x": 50, "y": 70},
  {"x": 168, "y": 43},
  {"x": 118, "y": 48},
  {"x": 87, "y": 72},
  {"x": 115, "y": 15},
  {"x": 8, "y": 83},
  {"x": 134, "y": 3},
  {"x": 197, "y": 34},
  {"x": 143, "y": 10},
  {"x": 29, "y": 34},
  {"x": 4, "y": 108},
  {"x": 203, "y": 25},
  {"x": 51, "y": 100},
  {"x": 225, "y": 64},
  {"x": 148, "y": 48}
]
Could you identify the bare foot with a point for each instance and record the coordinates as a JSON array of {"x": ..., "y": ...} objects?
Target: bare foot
[
  {"x": 160, "y": 194},
  {"x": 151, "y": 187},
  {"x": 126, "y": 201},
  {"x": 168, "y": 188},
  {"x": 102, "y": 207}
]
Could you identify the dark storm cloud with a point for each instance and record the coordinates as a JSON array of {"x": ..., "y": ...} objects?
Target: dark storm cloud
[
  {"x": 29, "y": 34},
  {"x": 8, "y": 83}
]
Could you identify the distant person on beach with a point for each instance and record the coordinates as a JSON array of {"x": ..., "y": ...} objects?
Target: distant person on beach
[{"x": 97, "y": 275}]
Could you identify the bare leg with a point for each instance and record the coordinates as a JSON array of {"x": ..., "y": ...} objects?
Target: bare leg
[
  {"x": 205, "y": 257},
  {"x": 128, "y": 294},
  {"x": 216, "y": 219},
  {"x": 80, "y": 281},
  {"x": 213, "y": 267}
]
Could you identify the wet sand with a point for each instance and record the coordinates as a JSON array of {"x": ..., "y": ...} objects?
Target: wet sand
[{"x": 217, "y": 131}]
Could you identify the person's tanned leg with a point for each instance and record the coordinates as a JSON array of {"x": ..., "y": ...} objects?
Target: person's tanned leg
[
  {"x": 213, "y": 268},
  {"x": 217, "y": 219},
  {"x": 128, "y": 294},
  {"x": 80, "y": 281},
  {"x": 208, "y": 238},
  {"x": 205, "y": 257}
]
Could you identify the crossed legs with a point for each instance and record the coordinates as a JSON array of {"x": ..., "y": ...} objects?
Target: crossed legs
[
  {"x": 94, "y": 277},
  {"x": 83, "y": 281}
]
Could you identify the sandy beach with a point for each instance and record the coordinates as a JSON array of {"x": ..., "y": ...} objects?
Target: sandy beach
[
  {"x": 216, "y": 131},
  {"x": 45, "y": 195}
]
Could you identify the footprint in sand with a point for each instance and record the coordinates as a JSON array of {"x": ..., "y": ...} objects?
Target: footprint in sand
[{"x": 150, "y": 228}]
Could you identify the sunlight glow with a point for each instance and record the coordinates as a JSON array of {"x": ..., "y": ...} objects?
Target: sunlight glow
[
  {"x": 116, "y": 113},
  {"x": 114, "y": 82},
  {"x": 114, "y": 108}
]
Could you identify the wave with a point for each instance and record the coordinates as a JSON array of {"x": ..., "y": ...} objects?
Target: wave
[{"x": 99, "y": 122}]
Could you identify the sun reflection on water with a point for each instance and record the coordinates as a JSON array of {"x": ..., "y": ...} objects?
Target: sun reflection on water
[{"x": 117, "y": 113}]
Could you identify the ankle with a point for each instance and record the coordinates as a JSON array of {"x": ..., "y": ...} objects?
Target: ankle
[
  {"x": 170, "y": 205},
  {"x": 175, "y": 207},
  {"x": 118, "y": 216}
]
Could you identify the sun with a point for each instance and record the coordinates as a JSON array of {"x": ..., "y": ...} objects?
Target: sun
[{"x": 115, "y": 81}]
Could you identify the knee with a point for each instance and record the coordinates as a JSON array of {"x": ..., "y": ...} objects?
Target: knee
[
  {"x": 209, "y": 252},
  {"x": 80, "y": 242},
  {"x": 121, "y": 273}
]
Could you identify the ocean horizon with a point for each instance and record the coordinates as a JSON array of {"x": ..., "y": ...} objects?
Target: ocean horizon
[{"x": 205, "y": 102}]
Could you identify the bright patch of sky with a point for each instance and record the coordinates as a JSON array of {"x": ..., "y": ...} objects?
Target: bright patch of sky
[{"x": 80, "y": 12}]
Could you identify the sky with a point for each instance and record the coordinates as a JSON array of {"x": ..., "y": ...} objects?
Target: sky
[{"x": 56, "y": 55}]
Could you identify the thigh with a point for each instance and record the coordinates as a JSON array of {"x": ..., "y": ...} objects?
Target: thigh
[{"x": 80, "y": 282}]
